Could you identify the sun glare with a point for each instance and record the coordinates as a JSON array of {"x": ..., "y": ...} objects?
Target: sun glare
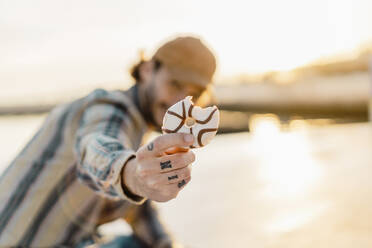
[
  {"x": 288, "y": 172},
  {"x": 287, "y": 165},
  {"x": 294, "y": 218}
]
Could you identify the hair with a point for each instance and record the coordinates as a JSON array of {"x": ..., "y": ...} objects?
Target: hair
[{"x": 135, "y": 70}]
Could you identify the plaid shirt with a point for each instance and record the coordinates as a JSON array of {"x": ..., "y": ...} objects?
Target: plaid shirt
[{"x": 66, "y": 181}]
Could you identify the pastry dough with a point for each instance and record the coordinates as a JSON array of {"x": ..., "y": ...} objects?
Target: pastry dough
[{"x": 184, "y": 117}]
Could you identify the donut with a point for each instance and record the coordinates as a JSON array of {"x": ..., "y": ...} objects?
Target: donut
[{"x": 185, "y": 117}]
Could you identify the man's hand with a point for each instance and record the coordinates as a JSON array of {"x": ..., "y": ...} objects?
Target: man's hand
[{"x": 158, "y": 173}]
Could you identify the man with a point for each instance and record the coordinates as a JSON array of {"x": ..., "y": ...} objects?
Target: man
[{"x": 85, "y": 167}]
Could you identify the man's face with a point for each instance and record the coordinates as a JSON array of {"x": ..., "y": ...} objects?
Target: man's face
[{"x": 162, "y": 91}]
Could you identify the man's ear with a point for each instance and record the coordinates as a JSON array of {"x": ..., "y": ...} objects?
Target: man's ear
[{"x": 145, "y": 71}]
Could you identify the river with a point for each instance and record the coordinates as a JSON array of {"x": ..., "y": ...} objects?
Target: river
[{"x": 302, "y": 186}]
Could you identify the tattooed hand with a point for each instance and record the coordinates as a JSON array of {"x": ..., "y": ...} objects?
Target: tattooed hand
[{"x": 160, "y": 171}]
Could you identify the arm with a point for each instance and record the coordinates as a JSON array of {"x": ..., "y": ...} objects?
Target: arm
[
  {"x": 102, "y": 148},
  {"x": 107, "y": 164},
  {"x": 159, "y": 172}
]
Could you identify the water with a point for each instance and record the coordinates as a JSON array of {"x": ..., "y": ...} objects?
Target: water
[
  {"x": 15, "y": 131},
  {"x": 306, "y": 186}
]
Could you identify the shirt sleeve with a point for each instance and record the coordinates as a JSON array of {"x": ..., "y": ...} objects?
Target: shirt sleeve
[{"x": 103, "y": 147}]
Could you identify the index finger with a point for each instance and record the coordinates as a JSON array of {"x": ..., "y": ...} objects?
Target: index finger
[{"x": 166, "y": 141}]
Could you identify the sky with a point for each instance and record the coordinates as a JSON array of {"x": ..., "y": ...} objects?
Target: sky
[{"x": 48, "y": 46}]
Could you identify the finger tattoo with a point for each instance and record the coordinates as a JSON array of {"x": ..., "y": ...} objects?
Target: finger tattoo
[
  {"x": 150, "y": 146},
  {"x": 172, "y": 177},
  {"x": 165, "y": 165},
  {"x": 180, "y": 184}
]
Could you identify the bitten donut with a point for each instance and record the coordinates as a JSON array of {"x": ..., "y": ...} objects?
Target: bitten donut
[{"x": 184, "y": 117}]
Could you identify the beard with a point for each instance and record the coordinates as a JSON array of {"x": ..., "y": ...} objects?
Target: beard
[{"x": 149, "y": 105}]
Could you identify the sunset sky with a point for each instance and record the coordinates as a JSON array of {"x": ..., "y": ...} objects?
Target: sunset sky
[{"x": 47, "y": 45}]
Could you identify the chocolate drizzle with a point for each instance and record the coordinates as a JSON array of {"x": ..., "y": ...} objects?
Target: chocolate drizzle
[
  {"x": 175, "y": 114},
  {"x": 183, "y": 118},
  {"x": 208, "y": 118},
  {"x": 190, "y": 110},
  {"x": 191, "y": 132},
  {"x": 203, "y": 131}
]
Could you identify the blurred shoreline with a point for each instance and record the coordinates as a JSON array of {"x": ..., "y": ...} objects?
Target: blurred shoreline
[
  {"x": 342, "y": 100},
  {"x": 337, "y": 89}
]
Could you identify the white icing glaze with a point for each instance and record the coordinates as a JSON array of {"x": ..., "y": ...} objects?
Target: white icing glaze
[{"x": 201, "y": 122}]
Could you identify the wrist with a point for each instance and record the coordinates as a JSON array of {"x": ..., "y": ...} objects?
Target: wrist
[{"x": 129, "y": 180}]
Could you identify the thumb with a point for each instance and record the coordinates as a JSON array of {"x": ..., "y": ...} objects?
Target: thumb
[{"x": 174, "y": 150}]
